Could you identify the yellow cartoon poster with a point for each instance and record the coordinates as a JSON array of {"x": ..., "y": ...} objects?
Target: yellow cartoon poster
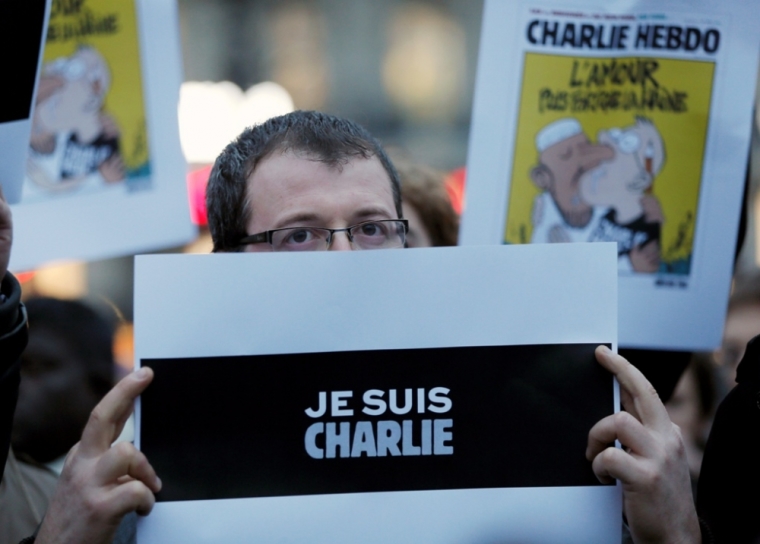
[
  {"x": 611, "y": 150},
  {"x": 88, "y": 129},
  {"x": 102, "y": 168},
  {"x": 625, "y": 122}
]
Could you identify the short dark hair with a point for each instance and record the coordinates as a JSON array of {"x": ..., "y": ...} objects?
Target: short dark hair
[{"x": 329, "y": 139}]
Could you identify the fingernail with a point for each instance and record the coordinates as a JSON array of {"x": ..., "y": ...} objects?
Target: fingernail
[
  {"x": 606, "y": 350},
  {"x": 141, "y": 374},
  {"x": 159, "y": 484}
]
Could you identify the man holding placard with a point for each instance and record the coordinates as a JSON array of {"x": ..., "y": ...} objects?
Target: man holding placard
[
  {"x": 304, "y": 170},
  {"x": 262, "y": 195}
]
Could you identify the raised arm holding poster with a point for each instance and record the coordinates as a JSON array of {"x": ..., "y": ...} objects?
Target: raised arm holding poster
[
  {"x": 367, "y": 401},
  {"x": 104, "y": 172},
  {"x": 626, "y": 122}
]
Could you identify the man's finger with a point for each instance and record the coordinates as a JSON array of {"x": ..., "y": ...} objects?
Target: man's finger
[
  {"x": 109, "y": 416},
  {"x": 124, "y": 459},
  {"x": 615, "y": 464},
  {"x": 621, "y": 426},
  {"x": 130, "y": 497},
  {"x": 647, "y": 403},
  {"x": 626, "y": 401}
]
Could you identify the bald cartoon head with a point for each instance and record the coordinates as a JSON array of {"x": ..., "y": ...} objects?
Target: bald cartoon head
[
  {"x": 566, "y": 154},
  {"x": 639, "y": 156},
  {"x": 79, "y": 84}
]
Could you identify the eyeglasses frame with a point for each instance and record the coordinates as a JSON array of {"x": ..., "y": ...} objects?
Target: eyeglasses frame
[{"x": 266, "y": 236}]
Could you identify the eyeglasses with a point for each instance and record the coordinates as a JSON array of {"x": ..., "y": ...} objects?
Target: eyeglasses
[{"x": 381, "y": 234}]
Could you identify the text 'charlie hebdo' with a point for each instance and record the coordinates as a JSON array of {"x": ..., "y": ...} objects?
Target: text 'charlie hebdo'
[{"x": 380, "y": 437}]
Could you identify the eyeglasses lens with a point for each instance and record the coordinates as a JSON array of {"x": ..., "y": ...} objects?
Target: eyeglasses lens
[
  {"x": 378, "y": 235},
  {"x": 300, "y": 239},
  {"x": 367, "y": 235}
]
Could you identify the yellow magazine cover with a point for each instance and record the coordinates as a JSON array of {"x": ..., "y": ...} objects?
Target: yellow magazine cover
[
  {"x": 88, "y": 130},
  {"x": 611, "y": 149}
]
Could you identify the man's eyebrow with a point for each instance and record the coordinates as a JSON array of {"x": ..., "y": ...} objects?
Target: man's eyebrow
[
  {"x": 315, "y": 220},
  {"x": 364, "y": 213},
  {"x": 299, "y": 217}
]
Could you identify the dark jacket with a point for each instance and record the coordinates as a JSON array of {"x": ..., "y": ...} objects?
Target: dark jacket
[
  {"x": 727, "y": 495},
  {"x": 13, "y": 337}
]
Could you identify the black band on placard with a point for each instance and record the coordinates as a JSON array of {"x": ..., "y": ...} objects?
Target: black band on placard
[{"x": 443, "y": 418}]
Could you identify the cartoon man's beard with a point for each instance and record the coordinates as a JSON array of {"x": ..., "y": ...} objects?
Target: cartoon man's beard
[
  {"x": 577, "y": 219},
  {"x": 593, "y": 178}
]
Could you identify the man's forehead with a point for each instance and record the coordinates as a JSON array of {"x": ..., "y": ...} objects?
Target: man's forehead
[
  {"x": 288, "y": 182},
  {"x": 572, "y": 140},
  {"x": 562, "y": 146},
  {"x": 289, "y": 165}
]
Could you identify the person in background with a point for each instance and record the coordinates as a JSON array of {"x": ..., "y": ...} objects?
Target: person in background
[
  {"x": 426, "y": 205},
  {"x": 692, "y": 407},
  {"x": 66, "y": 369},
  {"x": 742, "y": 324},
  {"x": 15, "y": 517},
  {"x": 727, "y": 498},
  {"x": 25, "y": 492},
  {"x": 266, "y": 182}
]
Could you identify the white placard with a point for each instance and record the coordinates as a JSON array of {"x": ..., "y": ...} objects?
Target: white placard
[
  {"x": 105, "y": 174},
  {"x": 653, "y": 102},
  {"x": 230, "y": 305}
]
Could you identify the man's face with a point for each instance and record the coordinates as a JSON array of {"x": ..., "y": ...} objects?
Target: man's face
[
  {"x": 79, "y": 96},
  {"x": 568, "y": 160},
  {"x": 291, "y": 189},
  {"x": 55, "y": 397},
  {"x": 628, "y": 174}
]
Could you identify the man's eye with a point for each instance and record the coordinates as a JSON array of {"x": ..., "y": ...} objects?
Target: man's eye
[
  {"x": 299, "y": 239},
  {"x": 300, "y": 236},
  {"x": 629, "y": 142},
  {"x": 372, "y": 229}
]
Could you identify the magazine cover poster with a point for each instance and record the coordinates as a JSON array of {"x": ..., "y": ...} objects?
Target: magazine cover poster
[
  {"x": 88, "y": 131},
  {"x": 103, "y": 171},
  {"x": 626, "y": 121},
  {"x": 611, "y": 149}
]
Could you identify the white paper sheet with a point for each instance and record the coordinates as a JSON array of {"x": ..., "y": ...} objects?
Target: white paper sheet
[
  {"x": 253, "y": 304},
  {"x": 106, "y": 176},
  {"x": 697, "y": 63}
]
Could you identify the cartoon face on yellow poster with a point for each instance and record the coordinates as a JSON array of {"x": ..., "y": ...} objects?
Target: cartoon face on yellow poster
[
  {"x": 611, "y": 149},
  {"x": 88, "y": 129}
]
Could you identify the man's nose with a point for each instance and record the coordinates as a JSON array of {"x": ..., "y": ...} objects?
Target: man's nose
[
  {"x": 593, "y": 154},
  {"x": 340, "y": 242}
]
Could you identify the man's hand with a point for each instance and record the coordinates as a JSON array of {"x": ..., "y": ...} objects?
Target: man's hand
[
  {"x": 99, "y": 483},
  {"x": 652, "y": 465},
  {"x": 112, "y": 169},
  {"x": 646, "y": 257},
  {"x": 6, "y": 234},
  {"x": 652, "y": 209}
]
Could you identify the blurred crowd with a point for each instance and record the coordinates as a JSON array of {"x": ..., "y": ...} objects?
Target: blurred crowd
[{"x": 69, "y": 364}]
